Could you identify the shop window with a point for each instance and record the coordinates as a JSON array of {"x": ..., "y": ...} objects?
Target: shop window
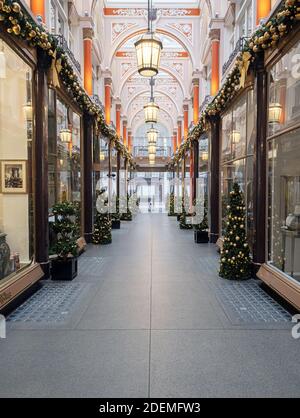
[
  {"x": 284, "y": 100},
  {"x": 238, "y": 137},
  {"x": 68, "y": 154},
  {"x": 204, "y": 172},
  {"x": 16, "y": 136},
  {"x": 284, "y": 203}
]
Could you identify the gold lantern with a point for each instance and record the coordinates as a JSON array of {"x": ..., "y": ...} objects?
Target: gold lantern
[
  {"x": 102, "y": 156},
  {"x": 275, "y": 112}
]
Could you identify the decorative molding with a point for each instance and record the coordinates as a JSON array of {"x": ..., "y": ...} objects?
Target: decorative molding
[
  {"x": 186, "y": 29},
  {"x": 164, "y": 54},
  {"x": 175, "y": 66},
  {"x": 118, "y": 28},
  {"x": 139, "y": 12},
  {"x": 125, "y": 67}
]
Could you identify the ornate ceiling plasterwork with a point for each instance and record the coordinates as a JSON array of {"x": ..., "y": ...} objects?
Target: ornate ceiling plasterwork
[
  {"x": 117, "y": 29},
  {"x": 186, "y": 29},
  {"x": 162, "y": 12}
]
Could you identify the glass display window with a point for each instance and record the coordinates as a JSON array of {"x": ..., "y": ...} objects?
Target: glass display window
[
  {"x": 284, "y": 203},
  {"x": 68, "y": 153},
  {"x": 238, "y": 138},
  {"x": 284, "y": 92},
  {"x": 16, "y": 139}
]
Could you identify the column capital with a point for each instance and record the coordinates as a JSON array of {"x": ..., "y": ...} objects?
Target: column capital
[
  {"x": 118, "y": 106},
  {"x": 214, "y": 35},
  {"x": 108, "y": 81},
  {"x": 195, "y": 82},
  {"x": 186, "y": 107},
  {"x": 125, "y": 121},
  {"x": 179, "y": 120},
  {"x": 88, "y": 33}
]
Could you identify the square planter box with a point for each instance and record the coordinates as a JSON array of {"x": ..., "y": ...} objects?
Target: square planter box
[
  {"x": 116, "y": 224},
  {"x": 64, "y": 270},
  {"x": 178, "y": 218},
  {"x": 201, "y": 237}
]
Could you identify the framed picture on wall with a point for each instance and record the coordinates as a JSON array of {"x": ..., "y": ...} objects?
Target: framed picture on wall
[{"x": 14, "y": 176}]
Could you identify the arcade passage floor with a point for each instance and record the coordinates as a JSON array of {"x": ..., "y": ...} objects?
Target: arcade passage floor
[{"x": 148, "y": 316}]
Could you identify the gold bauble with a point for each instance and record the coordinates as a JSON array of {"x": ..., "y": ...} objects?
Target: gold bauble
[
  {"x": 16, "y": 7},
  {"x": 32, "y": 34},
  {"x": 16, "y": 29}
]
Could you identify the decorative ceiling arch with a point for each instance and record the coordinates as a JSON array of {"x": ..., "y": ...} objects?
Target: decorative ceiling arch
[
  {"x": 163, "y": 68},
  {"x": 140, "y": 93},
  {"x": 171, "y": 32}
]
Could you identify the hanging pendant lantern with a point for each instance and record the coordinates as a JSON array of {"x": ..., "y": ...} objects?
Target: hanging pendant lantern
[
  {"x": 152, "y": 148},
  {"x": 148, "y": 52},
  {"x": 151, "y": 112},
  {"x": 152, "y": 136},
  {"x": 148, "y": 49}
]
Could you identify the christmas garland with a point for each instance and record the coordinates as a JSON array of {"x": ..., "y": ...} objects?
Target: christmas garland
[
  {"x": 265, "y": 37},
  {"x": 19, "y": 23}
]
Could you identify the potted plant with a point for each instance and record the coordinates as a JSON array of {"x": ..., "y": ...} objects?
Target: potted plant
[
  {"x": 201, "y": 229},
  {"x": 171, "y": 205},
  {"x": 64, "y": 266}
]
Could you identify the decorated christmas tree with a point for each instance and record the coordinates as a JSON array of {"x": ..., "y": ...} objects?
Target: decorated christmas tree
[
  {"x": 235, "y": 255},
  {"x": 127, "y": 215},
  {"x": 183, "y": 223},
  {"x": 171, "y": 204},
  {"x": 102, "y": 227}
]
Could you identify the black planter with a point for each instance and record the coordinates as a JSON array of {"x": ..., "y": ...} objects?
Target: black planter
[
  {"x": 116, "y": 224},
  {"x": 64, "y": 270},
  {"x": 178, "y": 218},
  {"x": 201, "y": 237}
]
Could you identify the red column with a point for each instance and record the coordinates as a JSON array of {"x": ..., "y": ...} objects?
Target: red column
[
  {"x": 215, "y": 61},
  {"x": 107, "y": 90},
  {"x": 263, "y": 8},
  {"x": 125, "y": 132},
  {"x": 38, "y": 9},
  {"x": 185, "y": 121},
  {"x": 88, "y": 66},
  {"x": 174, "y": 141},
  {"x": 179, "y": 133},
  {"x": 129, "y": 140},
  {"x": 196, "y": 92},
  {"x": 118, "y": 119}
]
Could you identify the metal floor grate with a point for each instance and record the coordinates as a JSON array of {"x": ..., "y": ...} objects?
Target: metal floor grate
[
  {"x": 246, "y": 302},
  {"x": 51, "y": 304}
]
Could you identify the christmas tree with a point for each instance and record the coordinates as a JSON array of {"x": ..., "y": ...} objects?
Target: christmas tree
[
  {"x": 235, "y": 255},
  {"x": 171, "y": 204},
  {"x": 127, "y": 216},
  {"x": 102, "y": 227},
  {"x": 183, "y": 217}
]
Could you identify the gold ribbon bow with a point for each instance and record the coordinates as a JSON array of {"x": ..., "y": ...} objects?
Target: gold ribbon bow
[
  {"x": 244, "y": 67},
  {"x": 55, "y": 69}
]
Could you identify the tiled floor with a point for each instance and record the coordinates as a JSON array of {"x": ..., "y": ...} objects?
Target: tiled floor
[{"x": 148, "y": 316}]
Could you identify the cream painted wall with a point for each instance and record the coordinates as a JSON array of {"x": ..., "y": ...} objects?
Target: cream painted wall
[{"x": 14, "y": 211}]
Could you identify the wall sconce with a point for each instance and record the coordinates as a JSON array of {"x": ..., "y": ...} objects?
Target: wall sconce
[
  {"x": 275, "y": 112},
  {"x": 65, "y": 135},
  {"x": 102, "y": 156}
]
